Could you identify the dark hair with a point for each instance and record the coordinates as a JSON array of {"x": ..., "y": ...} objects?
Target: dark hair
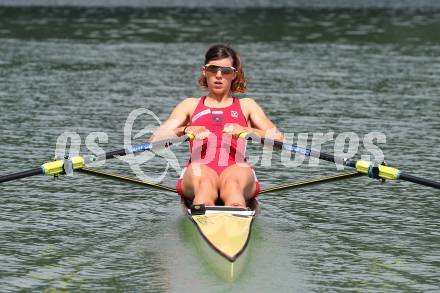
[{"x": 221, "y": 51}]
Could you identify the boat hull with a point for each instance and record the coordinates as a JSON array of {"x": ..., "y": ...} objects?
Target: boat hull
[{"x": 222, "y": 235}]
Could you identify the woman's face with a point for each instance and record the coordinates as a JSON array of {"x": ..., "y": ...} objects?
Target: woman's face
[{"x": 220, "y": 81}]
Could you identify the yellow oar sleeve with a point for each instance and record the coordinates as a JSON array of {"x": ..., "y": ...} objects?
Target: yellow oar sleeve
[
  {"x": 56, "y": 167},
  {"x": 385, "y": 172}
]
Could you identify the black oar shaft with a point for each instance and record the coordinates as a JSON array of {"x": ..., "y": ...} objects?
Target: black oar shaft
[
  {"x": 112, "y": 154},
  {"x": 418, "y": 180},
  {"x": 384, "y": 172},
  {"x": 19, "y": 175},
  {"x": 57, "y": 167}
]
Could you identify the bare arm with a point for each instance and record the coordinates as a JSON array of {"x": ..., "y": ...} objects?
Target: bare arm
[
  {"x": 176, "y": 122},
  {"x": 260, "y": 123}
]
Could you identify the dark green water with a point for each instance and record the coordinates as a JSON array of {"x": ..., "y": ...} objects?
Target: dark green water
[{"x": 311, "y": 70}]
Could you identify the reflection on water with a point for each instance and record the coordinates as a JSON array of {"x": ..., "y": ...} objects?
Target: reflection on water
[
  {"x": 213, "y": 25},
  {"x": 337, "y": 70},
  {"x": 395, "y": 4}
]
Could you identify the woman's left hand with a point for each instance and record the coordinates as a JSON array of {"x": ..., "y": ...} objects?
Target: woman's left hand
[{"x": 234, "y": 129}]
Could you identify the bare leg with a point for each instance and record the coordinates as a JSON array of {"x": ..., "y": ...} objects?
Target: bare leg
[
  {"x": 237, "y": 184},
  {"x": 200, "y": 186}
]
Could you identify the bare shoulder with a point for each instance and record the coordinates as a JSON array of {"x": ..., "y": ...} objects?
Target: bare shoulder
[
  {"x": 187, "y": 105},
  {"x": 185, "y": 108},
  {"x": 249, "y": 105},
  {"x": 248, "y": 102},
  {"x": 189, "y": 102}
]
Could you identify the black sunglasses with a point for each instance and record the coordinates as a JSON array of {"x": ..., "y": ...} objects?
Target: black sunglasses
[{"x": 223, "y": 69}]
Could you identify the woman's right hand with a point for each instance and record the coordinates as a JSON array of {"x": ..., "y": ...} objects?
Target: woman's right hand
[{"x": 199, "y": 132}]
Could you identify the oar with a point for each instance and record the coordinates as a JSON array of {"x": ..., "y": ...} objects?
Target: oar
[
  {"x": 69, "y": 164},
  {"x": 366, "y": 167}
]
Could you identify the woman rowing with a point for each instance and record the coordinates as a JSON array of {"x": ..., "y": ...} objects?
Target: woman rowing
[{"x": 218, "y": 168}]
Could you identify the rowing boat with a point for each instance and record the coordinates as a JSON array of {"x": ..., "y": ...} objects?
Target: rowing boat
[{"x": 222, "y": 234}]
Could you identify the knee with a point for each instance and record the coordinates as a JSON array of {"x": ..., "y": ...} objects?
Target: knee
[
  {"x": 206, "y": 183},
  {"x": 230, "y": 183}
]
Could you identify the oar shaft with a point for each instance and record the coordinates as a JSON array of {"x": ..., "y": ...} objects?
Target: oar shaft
[
  {"x": 131, "y": 150},
  {"x": 22, "y": 174},
  {"x": 418, "y": 180},
  {"x": 78, "y": 162},
  {"x": 293, "y": 148},
  {"x": 160, "y": 144},
  {"x": 384, "y": 172}
]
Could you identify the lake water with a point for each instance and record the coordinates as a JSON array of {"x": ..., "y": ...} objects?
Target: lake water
[{"x": 316, "y": 70}]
